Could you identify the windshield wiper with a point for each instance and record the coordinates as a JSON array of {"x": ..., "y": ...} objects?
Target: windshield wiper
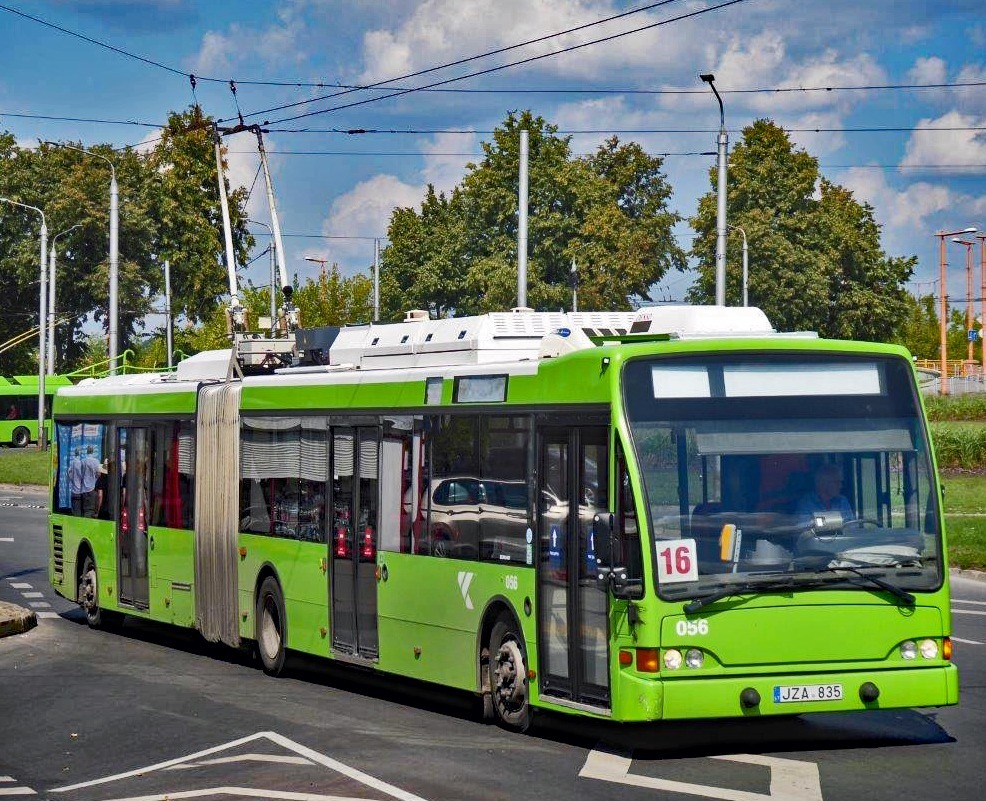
[
  {"x": 893, "y": 589},
  {"x": 757, "y": 588}
]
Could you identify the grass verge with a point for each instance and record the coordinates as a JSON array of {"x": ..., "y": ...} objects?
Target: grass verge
[{"x": 27, "y": 466}]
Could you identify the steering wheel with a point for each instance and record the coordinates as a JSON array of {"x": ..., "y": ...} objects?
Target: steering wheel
[{"x": 863, "y": 522}]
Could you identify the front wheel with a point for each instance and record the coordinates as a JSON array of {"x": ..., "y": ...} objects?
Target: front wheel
[
  {"x": 508, "y": 676},
  {"x": 96, "y": 616},
  {"x": 21, "y": 437},
  {"x": 271, "y": 626}
]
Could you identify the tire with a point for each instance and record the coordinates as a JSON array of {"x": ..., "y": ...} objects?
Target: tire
[
  {"x": 88, "y": 598},
  {"x": 21, "y": 437},
  {"x": 271, "y": 623},
  {"x": 508, "y": 676}
]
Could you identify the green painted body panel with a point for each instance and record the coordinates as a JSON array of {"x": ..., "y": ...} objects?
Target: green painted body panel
[
  {"x": 180, "y": 403},
  {"x": 299, "y": 567},
  {"x": 422, "y": 606},
  {"x": 771, "y": 634},
  {"x": 170, "y": 562},
  {"x": 101, "y": 539}
]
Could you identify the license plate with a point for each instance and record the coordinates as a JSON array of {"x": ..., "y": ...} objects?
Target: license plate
[{"x": 796, "y": 693}]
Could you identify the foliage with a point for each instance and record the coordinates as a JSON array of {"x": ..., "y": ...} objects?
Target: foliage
[
  {"x": 607, "y": 212},
  {"x": 960, "y": 446},
  {"x": 971, "y": 406},
  {"x": 331, "y": 299},
  {"x": 168, "y": 206},
  {"x": 815, "y": 256}
]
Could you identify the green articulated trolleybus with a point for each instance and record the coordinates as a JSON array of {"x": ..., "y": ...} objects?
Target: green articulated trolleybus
[{"x": 665, "y": 514}]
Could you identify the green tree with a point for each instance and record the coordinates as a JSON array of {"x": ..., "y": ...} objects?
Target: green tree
[
  {"x": 815, "y": 256},
  {"x": 920, "y": 332},
  {"x": 190, "y": 228},
  {"x": 607, "y": 212},
  {"x": 169, "y": 209}
]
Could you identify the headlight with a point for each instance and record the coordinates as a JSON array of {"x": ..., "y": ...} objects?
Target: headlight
[
  {"x": 908, "y": 649},
  {"x": 694, "y": 658},
  {"x": 672, "y": 659},
  {"x": 929, "y": 649}
]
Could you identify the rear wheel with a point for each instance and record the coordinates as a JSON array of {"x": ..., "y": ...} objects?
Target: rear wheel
[
  {"x": 271, "y": 626},
  {"x": 508, "y": 675},
  {"x": 20, "y": 438}
]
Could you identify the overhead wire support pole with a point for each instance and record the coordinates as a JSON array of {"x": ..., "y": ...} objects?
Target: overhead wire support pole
[
  {"x": 522, "y": 222},
  {"x": 376, "y": 280},
  {"x": 169, "y": 333},
  {"x": 723, "y": 151},
  {"x": 52, "y": 297}
]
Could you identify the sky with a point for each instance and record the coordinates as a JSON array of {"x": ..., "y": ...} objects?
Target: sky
[{"x": 336, "y": 190}]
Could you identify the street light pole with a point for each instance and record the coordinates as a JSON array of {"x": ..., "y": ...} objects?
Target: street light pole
[
  {"x": 721, "y": 157},
  {"x": 114, "y": 253},
  {"x": 51, "y": 299},
  {"x": 943, "y": 321},
  {"x": 746, "y": 299},
  {"x": 982, "y": 299},
  {"x": 968, "y": 291},
  {"x": 42, "y": 434}
]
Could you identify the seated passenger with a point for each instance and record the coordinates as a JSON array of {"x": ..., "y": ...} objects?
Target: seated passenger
[{"x": 827, "y": 496}]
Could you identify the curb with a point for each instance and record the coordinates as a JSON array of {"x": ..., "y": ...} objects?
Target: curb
[
  {"x": 974, "y": 575},
  {"x": 15, "y": 619}
]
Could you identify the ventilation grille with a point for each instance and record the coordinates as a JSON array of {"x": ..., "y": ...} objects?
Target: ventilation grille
[{"x": 58, "y": 553}]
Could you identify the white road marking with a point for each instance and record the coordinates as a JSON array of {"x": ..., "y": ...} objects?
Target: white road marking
[
  {"x": 961, "y": 601},
  {"x": 6, "y": 539},
  {"x": 790, "y": 779},
  {"x": 248, "y": 792},
  {"x": 967, "y": 612},
  {"x": 33, "y": 594},
  {"x": 284, "y": 742},
  {"x": 47, "y": 614},
  {"x": 39, "y": 605},
  {"x": 967, "y": 642},
  {"x": 20, "y": 585},
  {"x": 278, "y": 758},
  {"x": 11, "y": 791}
]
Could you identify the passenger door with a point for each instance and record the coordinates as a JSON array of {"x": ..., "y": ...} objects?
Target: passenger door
[
  {"x": 354, "y": 523},
  {"x": 134, "y": 448},
  {"x": 573, "y": 527}
]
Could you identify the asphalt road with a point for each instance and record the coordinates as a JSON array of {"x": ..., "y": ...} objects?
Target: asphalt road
[{"x": 152, "y": 712}]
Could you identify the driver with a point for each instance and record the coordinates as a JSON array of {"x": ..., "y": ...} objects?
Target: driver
[{"x": 827, "y": 496}]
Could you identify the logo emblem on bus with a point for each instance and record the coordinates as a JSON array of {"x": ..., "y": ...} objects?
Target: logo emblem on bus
[{"x": 465, "y": 579}]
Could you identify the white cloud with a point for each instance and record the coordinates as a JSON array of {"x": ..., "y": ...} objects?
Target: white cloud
[
  {"x": 278, "y": 43},
  {"x": 445, "y": 30},
  {"x": 365, "y": 211},
  {"x": 443, "y": 170},
  {"x": 926, "y": 148},
  {"x": 928, "y": 70},
  {"x": 903, "y": 210}
]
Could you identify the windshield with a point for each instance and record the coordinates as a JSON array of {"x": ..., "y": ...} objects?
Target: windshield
[{"x": 778, "y": 469}]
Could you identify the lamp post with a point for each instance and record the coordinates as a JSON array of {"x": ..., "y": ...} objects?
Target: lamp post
[
  {"x": 42, "y": 437},
  {"x": 709, "y": 78},
  {"x": 114, "y": 252},
  {"x": 376, "y": 280},
  {"x": 51, "y": 299},
  {"x": 273, "y": 271},
  {"x": 967, "y": 243},
  {"x": 982, "y": 299},
  {"x": 746, "y": 265},
  {"x": 943, "y": 321}
]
